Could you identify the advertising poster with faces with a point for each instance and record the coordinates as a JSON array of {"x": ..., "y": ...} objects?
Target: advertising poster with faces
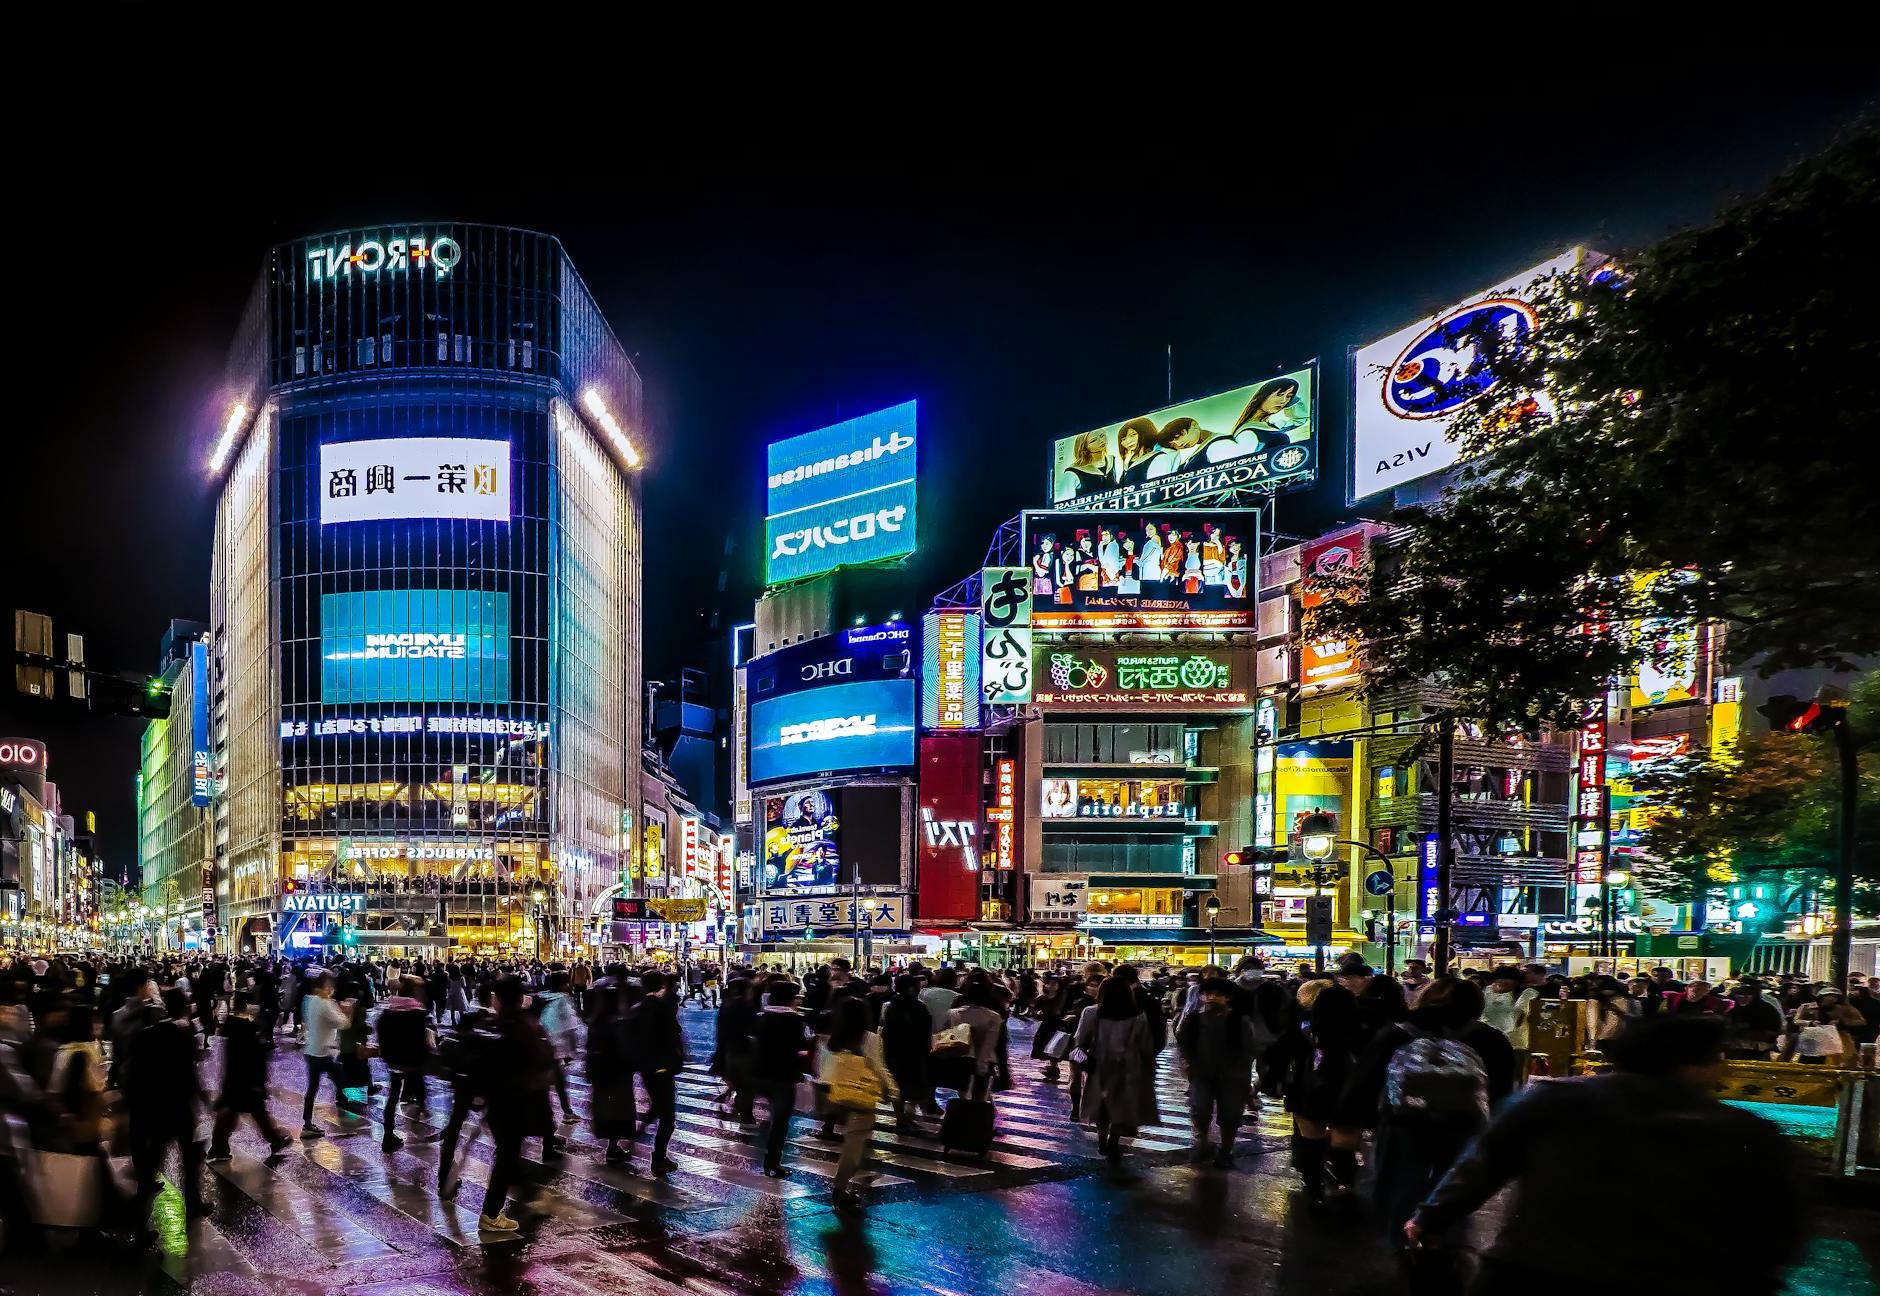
[
  {"x": 1180, "y": 570},
  {"x": 1104, "y": 798},
  {"x": 802, "y": 841}
]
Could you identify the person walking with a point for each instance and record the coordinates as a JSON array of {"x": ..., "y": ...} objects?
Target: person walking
[
  {"x": 456, "y": 994},
  {"x": 1080, "y": 995},
  {"x": 978, "y": 1010},
  {"x": 407, "y": 1045},
  {"x": 1321, "y": 1056},
  {"x": 1508, "y": 1006},
  {"x": 518, "y": 1071},
  {"x": 906, "y": 1044},
  {"x": 244, "y": 1081},
  {"x": 322, "y": 1018},
  {"x": 659, "y": 1052},
  {"x": 1119, "y": 1047},
  {"x": 779, "y": 1060},
  {"x": 561, "y": 1025},
  {"x": 162, "y": 1092},
  {"x": 611, "y": 1066},
  {"x": 462, "y": 1055},
  {"x": 855, "y": 1081},
  {"x": 1573, "y": 1141},
  {"x": 1216, "y": 1042},
  {"x": 731, "y": 1059}
]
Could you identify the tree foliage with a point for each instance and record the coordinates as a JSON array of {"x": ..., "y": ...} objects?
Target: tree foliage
[
  {"x": 1766, "y": 808},
  {"x": 1709, "y": 410}
]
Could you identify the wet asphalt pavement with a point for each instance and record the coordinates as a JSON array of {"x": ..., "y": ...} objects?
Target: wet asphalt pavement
[{"x": 1042, "y": 1214}]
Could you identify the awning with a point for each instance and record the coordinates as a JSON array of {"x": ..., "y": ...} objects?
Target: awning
[{"x": 401, "y": 938}]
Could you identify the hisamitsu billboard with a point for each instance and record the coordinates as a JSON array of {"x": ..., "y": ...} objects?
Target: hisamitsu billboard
[{"x": 841, "y": 496}]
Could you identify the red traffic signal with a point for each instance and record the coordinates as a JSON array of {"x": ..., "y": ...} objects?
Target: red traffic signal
[
  {"x": 290, "y": 886},
  {"x": 1233, "y": 858},
  {"x": 1794, "y": 715}
]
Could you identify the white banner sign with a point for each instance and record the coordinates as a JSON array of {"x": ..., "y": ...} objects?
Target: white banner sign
[
  {"x": 342, "y": 902},
  {"x": 1130, "y": 920},
  {"x": 414, "y": 477},
  {"x": 1059, "y": 897},
  {"x": 836, "y": 914}
]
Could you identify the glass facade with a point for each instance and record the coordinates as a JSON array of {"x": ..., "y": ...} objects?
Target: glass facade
[{"x": 432, "y": 703}]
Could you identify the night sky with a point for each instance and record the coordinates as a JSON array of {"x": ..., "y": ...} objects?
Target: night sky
[{"x": 1018, "y": 298}]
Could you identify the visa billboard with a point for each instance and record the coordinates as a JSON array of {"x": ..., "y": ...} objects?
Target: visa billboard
[{"x": 841, "y": 496}]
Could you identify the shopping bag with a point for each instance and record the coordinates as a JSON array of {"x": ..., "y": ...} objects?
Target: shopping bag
[
  {"x": 953, "y": 1041},
  {"x": 64, "y": 1188},
  {"x": 1058, "y": 1047},
  {"x": 852, "y": 1083},
  {"x": 1820, "y": 1040}
]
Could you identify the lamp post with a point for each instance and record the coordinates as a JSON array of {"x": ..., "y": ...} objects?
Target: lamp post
[
  {"x": 1214, "y": 914},
  {"x": 1317, "y": 842}
]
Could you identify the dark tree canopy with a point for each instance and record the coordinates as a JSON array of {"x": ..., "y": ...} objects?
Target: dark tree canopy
[{"x": 1710, "y": 411}]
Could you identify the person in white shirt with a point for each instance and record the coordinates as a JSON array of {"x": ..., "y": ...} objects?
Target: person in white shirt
[
  {"x": 1510, "y": 1007},
  {"x": 323, "y": 1019},
  {"x": 939, "y": 996}
]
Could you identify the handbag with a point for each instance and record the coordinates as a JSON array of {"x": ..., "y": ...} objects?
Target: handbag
[
  {"x": 953, "y": 1041},
  {"x": 852, "y": 1083},
  {"x": 64, "y": 1188},
  {"x": 1820, "y": 1040},
  {"x": 1058, "y": 1047}
]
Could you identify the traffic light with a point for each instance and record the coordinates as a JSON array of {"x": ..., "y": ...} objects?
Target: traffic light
[
  {"x": 1795, "y": 715},
  {"x": 1234, "y": 858},
  {"x": 290, "y": 886}
]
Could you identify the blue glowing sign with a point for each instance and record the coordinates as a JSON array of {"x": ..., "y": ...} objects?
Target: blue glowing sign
[
  {"x": 841, "y": 496},
  {"x": 866, "y": 726},
  {"x": 1428, "y": 860},
  {"x": 422, "y": 645},
  {"x": 202, "y": 751},
  {"x": 846, "y": 657}
]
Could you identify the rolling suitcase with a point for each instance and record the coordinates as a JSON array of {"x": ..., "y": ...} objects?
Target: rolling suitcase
[{"x": 967, "y": 1126}]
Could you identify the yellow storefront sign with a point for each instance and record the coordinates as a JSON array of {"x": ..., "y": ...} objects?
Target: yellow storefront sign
[{"x": 678, "y": 910}]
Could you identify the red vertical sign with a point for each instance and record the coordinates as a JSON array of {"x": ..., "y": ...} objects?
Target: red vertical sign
[{"x": 949, "y": 798}]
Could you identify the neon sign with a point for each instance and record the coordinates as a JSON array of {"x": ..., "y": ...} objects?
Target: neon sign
[{"x": 373, "y": 255}]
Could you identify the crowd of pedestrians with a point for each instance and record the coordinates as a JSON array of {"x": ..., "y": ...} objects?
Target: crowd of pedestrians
[{"x": 1422, "y": 1077}]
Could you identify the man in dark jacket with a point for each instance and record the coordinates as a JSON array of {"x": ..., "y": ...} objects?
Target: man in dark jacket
[
  {"x": 1217, "y": 1047},
  {"x": 406, "y": 1046},
  {"x": 737, "y": 1021},
  {"x": 906, "y": 1045},
  {"x": 779, "y": 1059},
  {"x": 1752, "y": 1025},
  {"x": 659, "y": 1051},
  {"x": 244, "y": 1080},
  {"x": 1568, "y": 1142},
  {"x": 517, "y": 1072},
  {"x": 1414, "y": 1148},
  {"x": 462, "y": 1055},
  {"x": 161, "y": 1091}
]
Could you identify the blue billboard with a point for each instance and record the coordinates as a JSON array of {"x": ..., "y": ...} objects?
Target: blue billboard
[
  {"x": 202, "y": 751},
  {"x": 841, "y": 496},
  {"x": 865, "y": 727},
  {"x": 845, "y": 657},
  {"x": 424, "y": 645}
]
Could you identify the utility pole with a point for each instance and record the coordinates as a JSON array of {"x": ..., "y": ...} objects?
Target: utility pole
[
  {"x": 1445, "y": 782},
  {"x": 1841, "y": 951}
]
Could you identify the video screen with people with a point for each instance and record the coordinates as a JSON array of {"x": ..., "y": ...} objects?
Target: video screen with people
[{"x": 1158, "y": 571}]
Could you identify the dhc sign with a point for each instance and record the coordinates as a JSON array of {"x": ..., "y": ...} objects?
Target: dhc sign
[{"x": 373, "y": 255}]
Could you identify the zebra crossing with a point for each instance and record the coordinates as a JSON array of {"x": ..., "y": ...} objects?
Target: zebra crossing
[{"x": 343, "y": 1203}]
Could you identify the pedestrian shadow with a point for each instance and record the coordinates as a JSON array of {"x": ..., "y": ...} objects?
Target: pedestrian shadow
[{"x": 849, "y": 1257}]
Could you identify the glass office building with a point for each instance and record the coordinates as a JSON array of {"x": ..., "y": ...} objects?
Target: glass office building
[{"x": 426, "y": 606}]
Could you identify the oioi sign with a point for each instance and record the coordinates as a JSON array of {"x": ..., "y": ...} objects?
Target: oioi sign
[{"x": 371, "y": 256}]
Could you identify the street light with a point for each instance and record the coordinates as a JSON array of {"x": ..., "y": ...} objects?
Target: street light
[
  {"x": 1317, "y": 841},
  {"x": 1214, "y": 913}
]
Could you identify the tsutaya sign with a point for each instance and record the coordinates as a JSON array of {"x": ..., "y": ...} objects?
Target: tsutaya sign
[
  {"x": 341, "y": 902},
  {"x": 372, "y": 256}
]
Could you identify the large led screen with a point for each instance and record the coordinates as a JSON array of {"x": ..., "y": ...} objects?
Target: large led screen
[
  {"x": 414, "y": 477},
  {"x": 825, "y": 838},
  {"x": 423, "y": 645},
  {"x": 1165, "y": 570},
  {"x": 845, "y": 727},
  {"x": 1408, "y": 387},
  {"x": 875, "y": 652},
  {"x": 841, "y": 496},
  {"x": 1255, "y": 438}
]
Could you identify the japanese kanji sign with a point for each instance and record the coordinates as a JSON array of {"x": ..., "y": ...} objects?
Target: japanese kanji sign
[
  {"x": 414, "y": 477},
  {"x": 1005, "y": 650}
]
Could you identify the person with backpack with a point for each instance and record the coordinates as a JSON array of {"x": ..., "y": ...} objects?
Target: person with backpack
[
  {"x": 1217, "y": 1047},
  {"x": 1427, "y": 1086},
  {"x": 855, "y": 1082},
  {"x": 406, "y": 1046}
]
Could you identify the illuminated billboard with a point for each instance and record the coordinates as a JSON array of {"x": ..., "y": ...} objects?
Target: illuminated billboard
[
  {"x": 841, "y": 496},
  {"x": 830, "y": 837},
  {"x": 422, "y": 645},
  {"x": 1140, "y": 571},
  {"x": 202, "y": 739},
  {"x": 1408, "y": 387},
  {"x": 1327, "y": 664},
  {"x": 861, "y": 727},
  {"x": 951, "y": 812},
  {"x": 1112, "y": 798},
  {"x": 949, "y": 676},
  {"x": 1255, "y": 438},
  {"x": 414, "y": 477},
  {"x": 1005, "y": 635},
  {"x": 875, "y": 652},
  {"x": 1149, "y": 678}
]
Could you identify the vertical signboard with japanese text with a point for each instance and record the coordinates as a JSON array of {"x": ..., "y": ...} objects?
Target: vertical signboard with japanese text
[
  {"x": 202, "y": 749},
  {"x": 1005, "y": 634},
  {"x": 950, "y": 657},
  {"x": 1589, "y": 810},
  {"x": 1003, "y": 814}
]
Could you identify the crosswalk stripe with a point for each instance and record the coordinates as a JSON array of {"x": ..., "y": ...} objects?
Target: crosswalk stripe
[{"x": 309, "y": 1219}]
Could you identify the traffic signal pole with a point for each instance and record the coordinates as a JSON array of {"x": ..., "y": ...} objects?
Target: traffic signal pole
[
  {"x": 1445, "y": 854},
  {"x": 1841, "y": 951}
]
